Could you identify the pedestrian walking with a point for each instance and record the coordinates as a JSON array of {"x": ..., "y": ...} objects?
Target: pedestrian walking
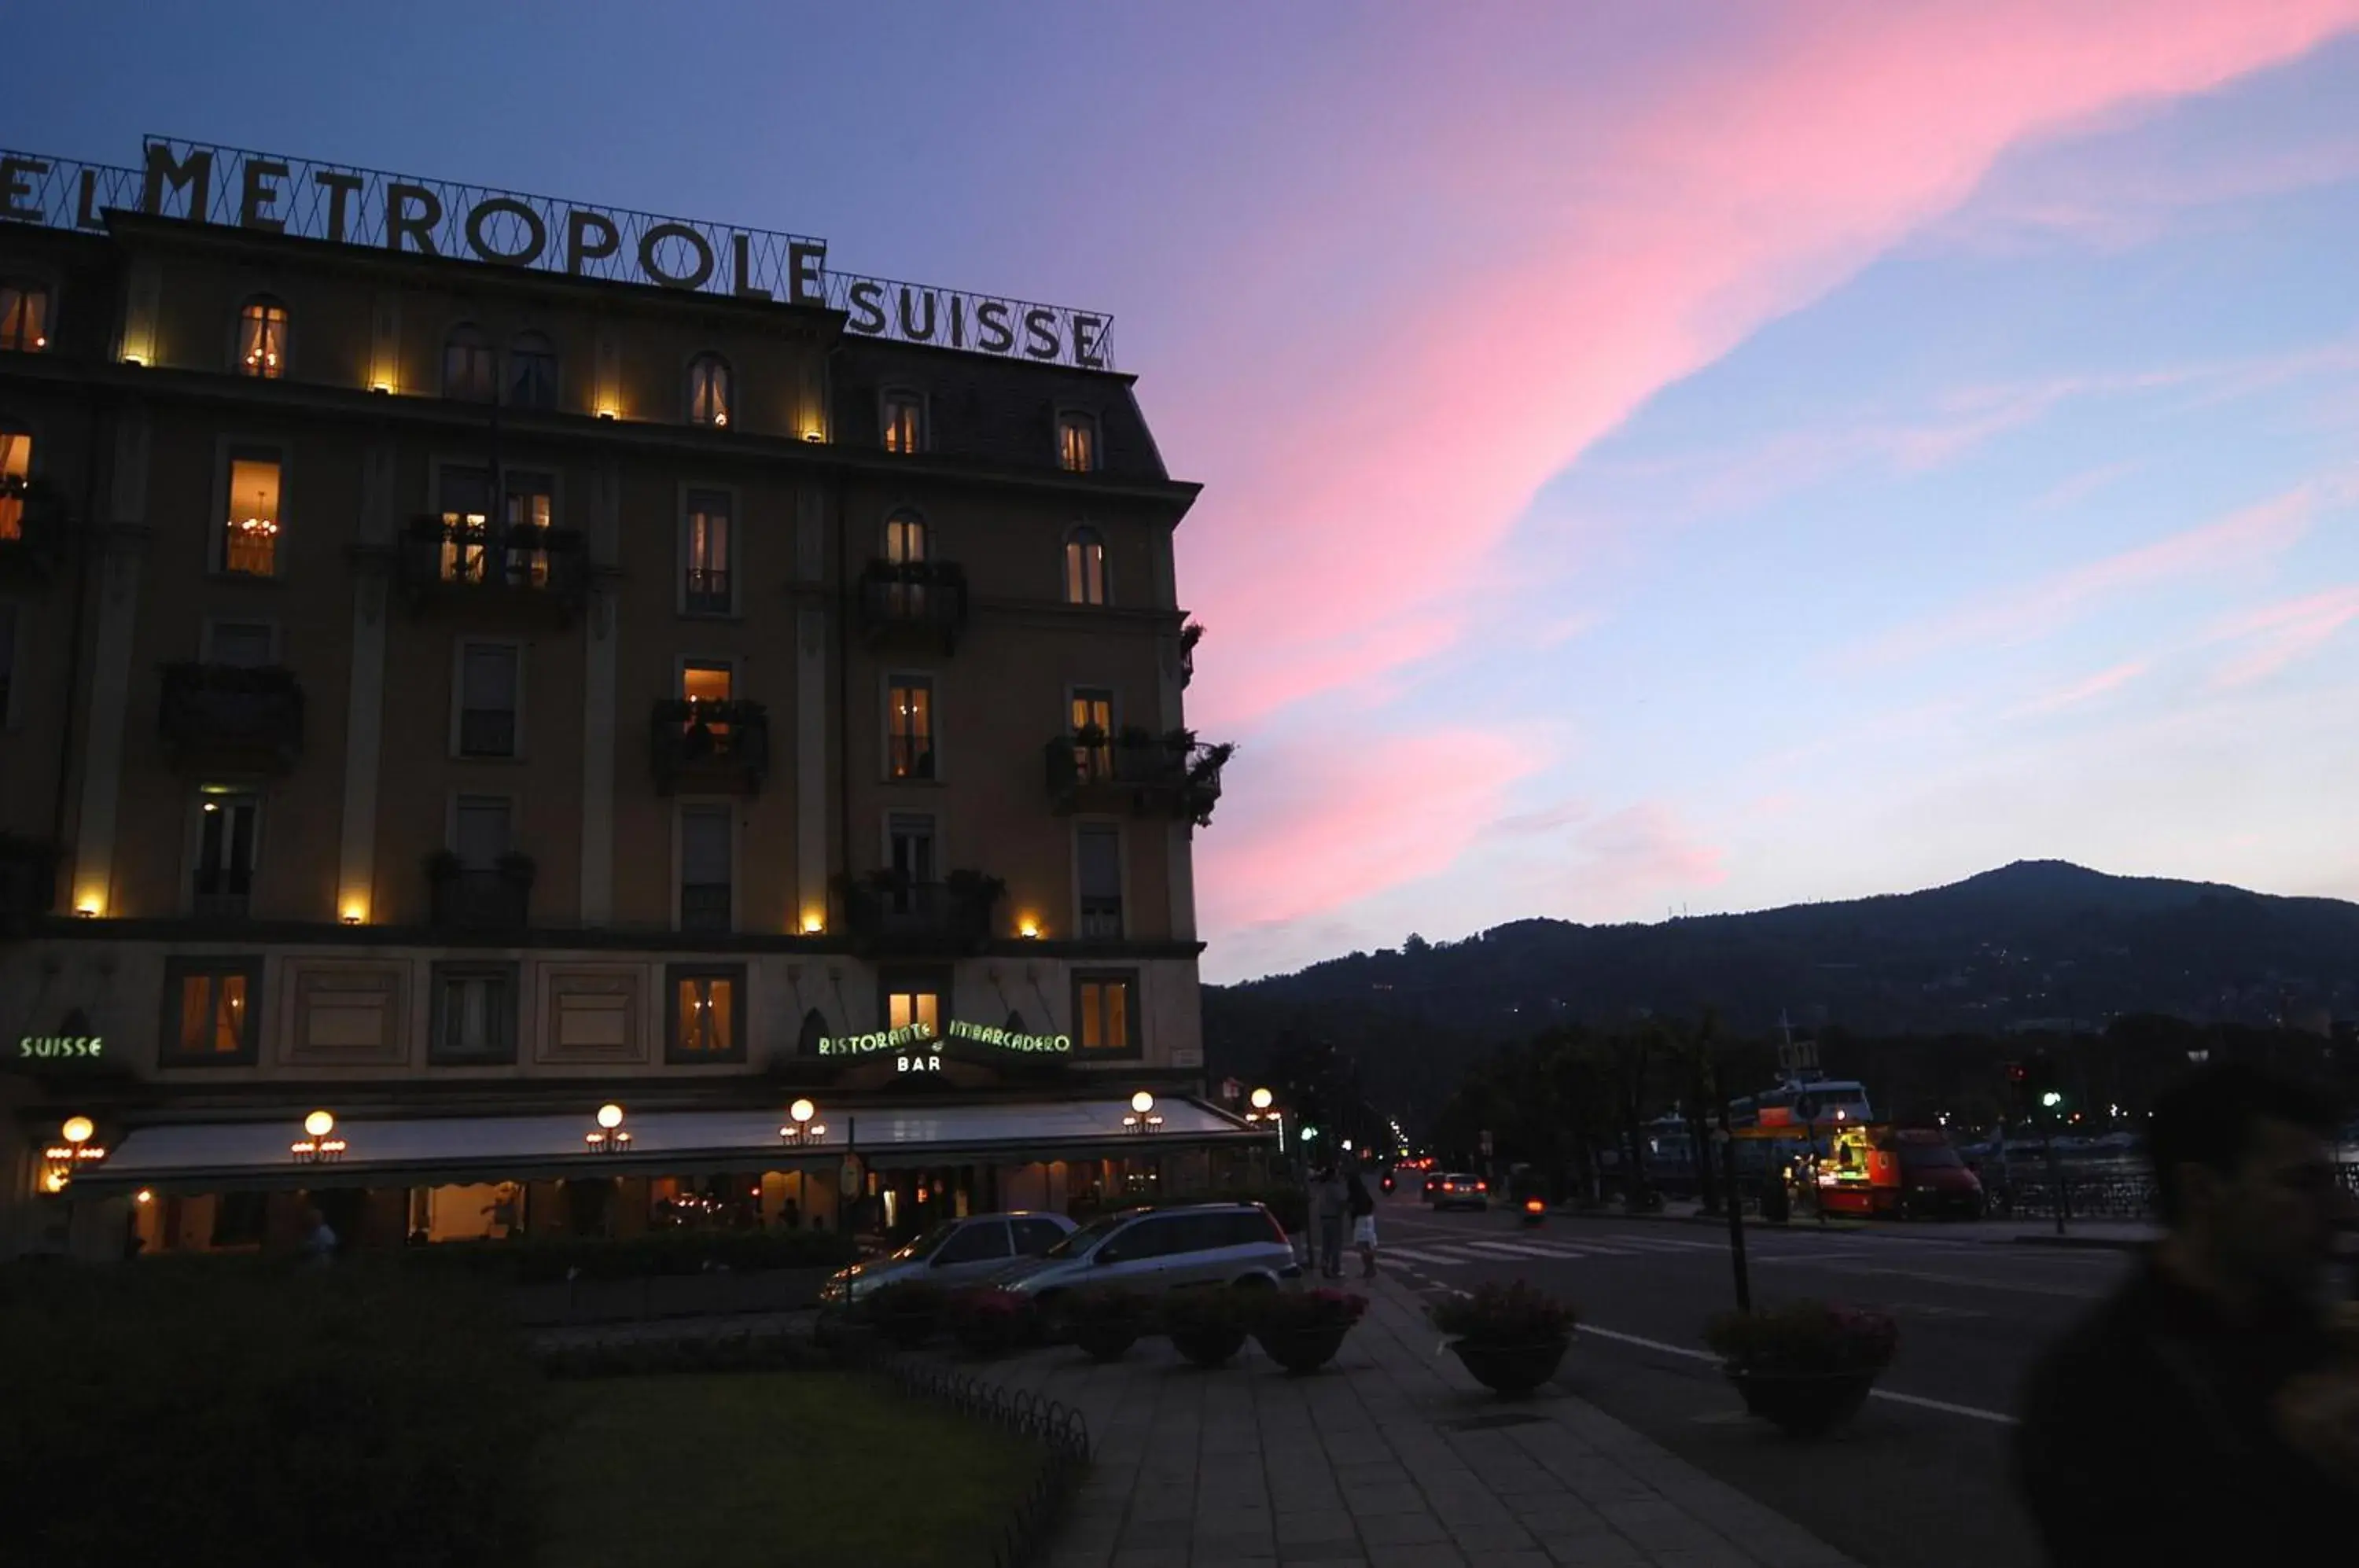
[
  {"x": 1327, "y": 1201},
  {"x": 2203, "y": 1413},
  {"x": 318, "y": 1240},
  {"x": 1363, "y": 1206}
]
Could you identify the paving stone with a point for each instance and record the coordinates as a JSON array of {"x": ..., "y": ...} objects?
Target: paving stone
[{"x": 1404, "y": 1529}]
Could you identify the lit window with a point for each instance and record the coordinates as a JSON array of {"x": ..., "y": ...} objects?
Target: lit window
[
  {"x": 250, "y": 529},
  {"x": 909, "y": 727},
  {"x": 466, "y": 496},
  {"x": 487, "y": 700},
  {"x": 468, "y": 371},
  {"x": 223, "y": 876},
  {"x": 704, "y": 868},
  {"x": 15, "y": 469},
  {"x": 1103, "y": 1013},
  {"x": 707, "y": 590},
  {"x": 1077, "y": 444},
  {"x": 907, "y": 1005},
  {"x": 1085, "y": 567},
  {"x": 706, "y": 690},
  {"x": 524, "y": 543},
  {"x": 209, "y": 1010},
  {"x": 905, "y": 547},
  {"x": 904, "y": 541},
  {"x": 532, "y": 372},
  {"x": 23, "y": 317},
  {"x": 704, "y": 1013},
  {"x": 1092, "y": 720},
  {"x": 262, "y": 339},
  {"x": 904, "y": 429},
  {"x": 707, "y": 390}
]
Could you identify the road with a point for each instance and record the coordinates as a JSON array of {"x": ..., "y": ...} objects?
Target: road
[{"x": 1920, "y": 1480}]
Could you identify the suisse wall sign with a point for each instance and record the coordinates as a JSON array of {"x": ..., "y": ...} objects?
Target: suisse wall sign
[
  {"x": 60, "y": 1047},
  {"x": 276, "y": 194},
  {"x": 915, "y": 1048}
]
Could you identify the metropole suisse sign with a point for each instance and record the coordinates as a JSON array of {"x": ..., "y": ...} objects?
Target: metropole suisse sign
[
  {"x": 915, "y": 1048},
  {"x": 273, "y": 195}
]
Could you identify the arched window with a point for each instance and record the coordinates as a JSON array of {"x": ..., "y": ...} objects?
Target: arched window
[
  {"x": 24, "y": 316},
  {"x": 1085, "y": 567},
  {"x": 262, "y": 338},
  {"x": 468, "y": 371},
  {"x": 1077, "y": 443},
  {"x": 707, "y": 390},
  {"x": 532, "y": 372}
]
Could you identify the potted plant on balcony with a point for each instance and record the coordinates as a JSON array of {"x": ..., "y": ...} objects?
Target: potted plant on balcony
[
  {"x": 1206, "y": 1323},
  {"x": 1106, "y": 1320},
  {"x": 1805, "y": 1367},
  {"x": 905, "y": 1312},
  {"x": 443, "y": 865},
  {"x": 1511, "y": 1337},
  {"x": 987, "y": 1320},
  {"x": 1302, "y": 1329}
]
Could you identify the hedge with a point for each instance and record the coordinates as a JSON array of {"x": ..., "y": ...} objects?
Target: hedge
[{"x": 355, "y": 1416}]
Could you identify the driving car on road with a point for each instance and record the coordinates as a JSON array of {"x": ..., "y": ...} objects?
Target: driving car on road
[
  {"x": 956, "y": 1252},
  {"x": 1459, "y": 1190},
  {"x": 1157, "y": 1249}
]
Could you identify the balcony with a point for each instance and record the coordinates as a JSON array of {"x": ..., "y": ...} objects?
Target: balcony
[
  {"x": 32, "y": 531},
  {"x": 705, "y": 906},
  {"x": 463, "y": 898},
  {"x": 28, "y": 879},
  {"x": 709, "y": 747},
  {"x": 530, "y": 572},
  {"x": 1171, "y": 775},
  {"x": 916, "y": 603},
  {"x": 888, "y": 914},
  {"x": 231, "y": 715},
  {"x": 222, "y": 893}
]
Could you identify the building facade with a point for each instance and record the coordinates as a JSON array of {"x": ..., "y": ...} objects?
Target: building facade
[{"x": 454, "y": 688}]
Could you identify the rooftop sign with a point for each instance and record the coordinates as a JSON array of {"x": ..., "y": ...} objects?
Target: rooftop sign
[{"x": 367, "y": 207}]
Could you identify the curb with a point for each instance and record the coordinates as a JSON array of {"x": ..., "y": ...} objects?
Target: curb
[
  {"x": 1855, "y": 1227},
  {"x": 2114, "y": 1243}
]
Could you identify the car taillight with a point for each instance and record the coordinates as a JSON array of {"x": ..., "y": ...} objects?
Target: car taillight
[
  {"x": 1481, "y": 1186},
  {"x": 1533, "y": 1205}
]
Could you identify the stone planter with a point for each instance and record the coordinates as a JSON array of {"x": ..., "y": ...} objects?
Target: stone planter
[
  {"x": 1105, "y": 1340},
  {"x": 1802, "y": 1404},
  {"x": 1208, "y": 1346},
  {"x": 1510, "y": 1369},
  {"x": 1302, "y": 1351}
]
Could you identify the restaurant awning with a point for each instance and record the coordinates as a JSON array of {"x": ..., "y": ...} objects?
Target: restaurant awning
[{"x": 421, "y": 1152}]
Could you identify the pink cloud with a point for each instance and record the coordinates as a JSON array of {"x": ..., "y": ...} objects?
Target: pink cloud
[
  {"x": 2241, "y": 540},
  {"x": 1333, "y": 817},
  {"x": 2283, "y": 634},
  {"x": 2083, "y": 690},
  {"x": 1386, "y": 440}
]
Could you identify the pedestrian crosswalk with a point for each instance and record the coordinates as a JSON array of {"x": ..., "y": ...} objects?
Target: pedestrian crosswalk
[{"x": 1460, "y": 1253}]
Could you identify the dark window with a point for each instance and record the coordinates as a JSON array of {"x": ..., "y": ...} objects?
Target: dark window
[
  {"x": 707, "y": 390},
  {"x": 977, "y": 1243},
  {"x": 212, "y": 1011},
  {"x": 1077, "y": 444},
  {"x": 243, "y": 645},
  {"x": 905, "y": 422},
  {"x": 909, "y": 727},
  {"x": 224, "y": 882},
  {"x": 1085, "y": 567},
  {"x": 1097, "y": 849},
  {"x": 469, "y": 371},
  {"x": 704, "y": 870},
  {"x": 262, "y": 339},
  {"x": 482, "y": 831},
  {"x": 487, "y": 700},
  {"x": 707, "y": 1013},
  {"x": 708, "y": 548},
  {"x": 1105, "y": 1014},
  {"x": 23, "y": 317},
  {"x": 1034, "y": 1238},
  {"x": 532, "y": 372},
  {"x": 474, "y": 1013},
  {"x": 7, "y": 657},
  {"x": 1247, "y": 1228},
  {"x": 909, "y": 838}
]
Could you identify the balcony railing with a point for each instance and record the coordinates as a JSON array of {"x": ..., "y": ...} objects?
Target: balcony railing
[
  {"x": 706, "y": 592},
  {"x": 28, "y": 879},
  {"x": 495, "y": 898},
  {"x": 1172, "y": 775},
  {"x": 705, "y": 906},
  {"x": 223, "y": 893},
  {"x": 231, "y": 714},
  {"x": 487, "y": 732},
  {"x": 888, "y": 914},
  {"x": 708, "y": 746},
  {"x": 32, "y": 530},
  {"x": 526, "y": 568},
  {"x": 914, "y": 601}
]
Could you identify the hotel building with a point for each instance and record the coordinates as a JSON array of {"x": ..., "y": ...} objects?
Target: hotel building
[{"x": 467, "y": 660}]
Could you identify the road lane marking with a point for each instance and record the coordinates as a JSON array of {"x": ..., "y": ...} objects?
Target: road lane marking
[
  {"x": 1999, "y": 1417},
  {"x": 1513, "y": 1249}
]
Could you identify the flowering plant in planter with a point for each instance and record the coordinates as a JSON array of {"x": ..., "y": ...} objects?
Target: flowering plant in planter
[
  {"x": 1106, "y": 1320},
  {"x": 1302, "y": 1329},
  {"x": 987, "y": 1319},
  {"x": 1803, "y": 1338},
  {"x": 1512, "y": 1314},
  {"x": 1206, "y": 1323}
]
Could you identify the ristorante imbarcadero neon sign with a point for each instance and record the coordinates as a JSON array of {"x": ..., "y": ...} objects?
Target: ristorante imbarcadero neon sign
[
  {"x": 915, "y": 1048},
  {"x": 343, "y": 205}
]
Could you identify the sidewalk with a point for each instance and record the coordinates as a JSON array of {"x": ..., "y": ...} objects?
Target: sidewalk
[{"x": 1392, "y": 1455}]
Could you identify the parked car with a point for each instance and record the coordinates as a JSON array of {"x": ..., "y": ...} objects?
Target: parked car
[
  {"x": 1157, "y": 1249},
  {"x": 1459, "y": 1191},
  {"x": 956, "y": 1252},
  {"x": 1935, "y": 1180}
]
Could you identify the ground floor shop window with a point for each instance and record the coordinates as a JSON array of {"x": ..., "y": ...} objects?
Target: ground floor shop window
[{"x": 479, "y": 1211}]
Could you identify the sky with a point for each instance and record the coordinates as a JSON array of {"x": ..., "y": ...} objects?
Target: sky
[{"x": 1691, "y": 456}]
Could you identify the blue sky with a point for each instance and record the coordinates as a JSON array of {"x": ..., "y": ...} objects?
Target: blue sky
[{"x": 1654, "y": 457}]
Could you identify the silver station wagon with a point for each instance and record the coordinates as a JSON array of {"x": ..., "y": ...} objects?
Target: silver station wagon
[{"x": 1157, "y": 1249}]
